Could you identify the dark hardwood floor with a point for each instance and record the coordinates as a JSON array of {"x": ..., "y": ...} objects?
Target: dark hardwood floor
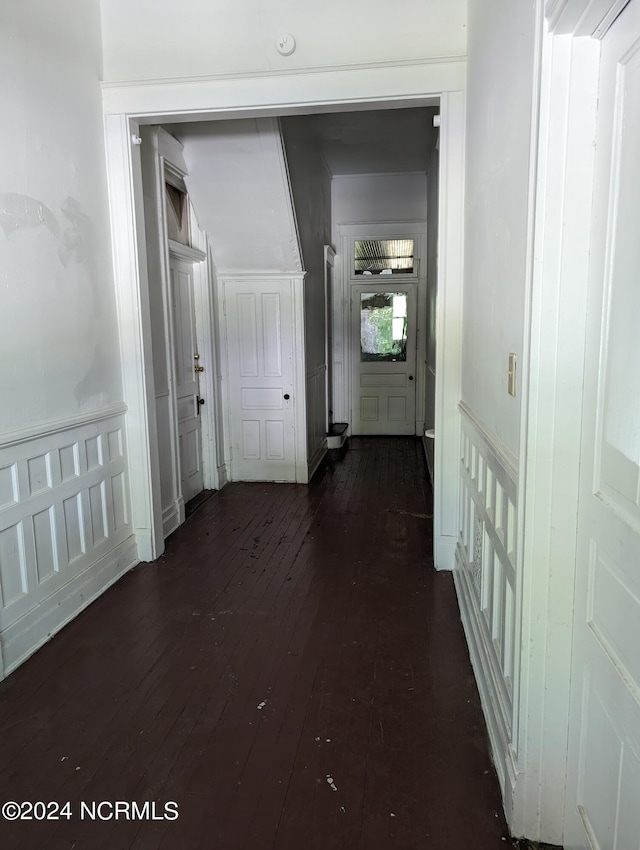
[{"x": 292, "y": 673}]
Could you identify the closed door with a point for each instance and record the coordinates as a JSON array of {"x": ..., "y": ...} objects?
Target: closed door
[
  {"x": 603, "y": 808},
  {"x": 260, "y": 340},
  {"x": 187, "y": 366},
  {"x": 383, "y": 331}
]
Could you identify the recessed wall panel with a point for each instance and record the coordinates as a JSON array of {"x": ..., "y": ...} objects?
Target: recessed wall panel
[
  {"x": 97, "y": 506},
  {"x": 39, "y": 474},
  {"x": 119, "y": 496},
  {"x": 274, "y": 431},
  {"x": 600, "y": 755},
  {"x": 45, "y": 543},
  {"x": 255, "y": 398},
  {"x": 620, "y": 449},
  {"x": 74, "y": 527},
  {"x": 190, "y": 452},
  {"x": 8, "y": 485},
  {"x": 13, "y": 577},
  {"x": 369, "y": 409},
  {"x": 114, "y": 441},
  {"x": 396, "y": 408},
  {"x": 272, "y": 331},
  {"x": 247, "y": 335},
  {"x": 614, "y": 614},
  {"x": 69, "y": 462},
  {"x": 628, "y": 827},
  {"x": 382, "y": 380},
  {"x": 94, "y": 453},
  {"x": 251, "y": 439}
]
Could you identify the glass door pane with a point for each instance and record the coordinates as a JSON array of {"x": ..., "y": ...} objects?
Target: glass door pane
[{"x": 383, "y": 327}]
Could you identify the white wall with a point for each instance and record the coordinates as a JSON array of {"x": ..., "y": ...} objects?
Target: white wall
[
  {"x": 65, "y": 531},
  {"x": 55, "y": 256},
  {"x": 499, "y": 103},
  {"x": 503, "y": 77},
  {"x": 311, "y": 192},
  {"x": 237, "y": 183},
  {"x": 200, "y": 37},
  {"x": 375, "y": 199},
  {"x": 433, "y": 175},
  {"x": 378, "y": 198}
]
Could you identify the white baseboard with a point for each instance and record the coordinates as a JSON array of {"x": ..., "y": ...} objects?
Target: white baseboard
[
  {"x": 170, "y": 519},
  {"x": 488, "y": 681},
  {"x": 223, "y": 476},
  {"x": 445, "y": 552},
  {"x": 26, "y": 635},
  {"x": 427, "y": 445},
  {"x": 316, "y": 459}
]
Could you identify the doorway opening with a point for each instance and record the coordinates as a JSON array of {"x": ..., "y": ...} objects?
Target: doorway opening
[{"x": 341, "y": 379}]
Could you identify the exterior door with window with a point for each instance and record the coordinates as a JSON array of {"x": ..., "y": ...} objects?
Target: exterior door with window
[{"x": 383, "y": 331}]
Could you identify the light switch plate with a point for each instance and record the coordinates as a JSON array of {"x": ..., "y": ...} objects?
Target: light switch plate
[{"x": 511, "y": 374}]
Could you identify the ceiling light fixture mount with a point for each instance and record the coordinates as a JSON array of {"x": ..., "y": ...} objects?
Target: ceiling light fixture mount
[{"x": 286, "y": 44}]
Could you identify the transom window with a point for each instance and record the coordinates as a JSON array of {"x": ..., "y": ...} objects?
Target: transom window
[{"x": 383, "y": 256}]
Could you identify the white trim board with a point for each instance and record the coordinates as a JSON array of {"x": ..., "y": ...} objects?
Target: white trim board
[
  {"x": 187, "y": 99},
  {"x": 53, "y": 426}
]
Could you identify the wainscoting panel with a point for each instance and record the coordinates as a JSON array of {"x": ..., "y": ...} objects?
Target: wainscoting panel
[
  {"x": 316, "y": 417},
  {"x": 65, "y": 531},
  {"x": 486, "y": 579}
]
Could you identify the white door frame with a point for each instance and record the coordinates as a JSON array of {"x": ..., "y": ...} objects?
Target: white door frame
[
  {"x": 128, "y": 105},
  {"x": 349, "y": 233},
  {"x": 329, "y": 295},
  {"x": 552, "y": 371}
]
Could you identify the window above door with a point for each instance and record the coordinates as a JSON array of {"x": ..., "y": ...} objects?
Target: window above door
[{"x": 383, "y": 256}]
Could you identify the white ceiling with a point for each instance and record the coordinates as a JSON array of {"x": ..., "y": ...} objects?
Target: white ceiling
[{"x": 375, "y": 142}]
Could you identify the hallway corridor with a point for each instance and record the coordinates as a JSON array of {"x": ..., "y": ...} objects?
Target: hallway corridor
[{"x": 292, "y": 673}]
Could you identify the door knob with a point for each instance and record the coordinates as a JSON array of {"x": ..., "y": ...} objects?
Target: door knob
[
  {"x": 198, "y": 368},
  {"x": 411, "y": 377},
  {"x": 287, "y": 396}
]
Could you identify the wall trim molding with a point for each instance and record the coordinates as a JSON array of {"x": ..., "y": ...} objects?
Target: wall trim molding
[
  {"x": 35, "y": 628},
  {"x": 54, "y": 426},
  {"x": 316, "y": 459},
  {"x": 185, "y": 252},
  {"x": 418, "y": 83},
  {"x": 239, "y": 275},
  {"x": 65, "y": 522},
  {"x": 383, "y": 230},
  {"x": 498, "y": 728},
  {"x": 502, "y": 452},
  {"x": 368, "y": 175},
  {"x": 428, "y": 61}
]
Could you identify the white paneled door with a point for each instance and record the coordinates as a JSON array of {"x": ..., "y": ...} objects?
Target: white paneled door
[
  {"x": 187, "y": 366},
  {"x": 603, "y": 808},
  {"x": 260, "y": 349},
  {"x": 383, "y": 336}
]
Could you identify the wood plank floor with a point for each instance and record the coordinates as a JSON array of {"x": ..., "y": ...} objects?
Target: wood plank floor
[{"x": 292, "y": 673}]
